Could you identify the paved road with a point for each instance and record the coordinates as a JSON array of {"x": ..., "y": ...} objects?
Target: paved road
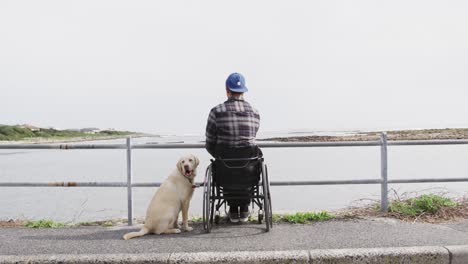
[{"x": 370, "y": 233}]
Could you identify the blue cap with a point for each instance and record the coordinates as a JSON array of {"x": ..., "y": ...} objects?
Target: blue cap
[{"x": 236, "y": 83}]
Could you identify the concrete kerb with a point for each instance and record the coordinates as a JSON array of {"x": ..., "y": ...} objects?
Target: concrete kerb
[
  {"x": 426, "y": 255},
  {"x": 241, "y": 257},
  {"x": 78, "y": 259},
  {"x": 458, "y": 254}
]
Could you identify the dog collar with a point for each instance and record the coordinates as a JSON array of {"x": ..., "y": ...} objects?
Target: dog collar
[
  {"x": 189, "y": 179},
  {"x": 191, "y": 182}
]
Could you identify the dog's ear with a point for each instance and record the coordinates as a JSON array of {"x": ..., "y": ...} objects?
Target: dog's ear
[
  {"x": 179, "y": 165},
  {"x": 197, "y": 161}
]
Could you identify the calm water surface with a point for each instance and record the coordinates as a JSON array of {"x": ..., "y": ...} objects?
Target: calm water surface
[{"x": 153, "y": 165}]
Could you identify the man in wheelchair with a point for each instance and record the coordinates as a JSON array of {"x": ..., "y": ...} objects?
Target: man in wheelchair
[{"x": 230, "y": 133}]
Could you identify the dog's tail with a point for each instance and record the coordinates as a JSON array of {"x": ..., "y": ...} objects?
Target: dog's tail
[{"x": 131, "y": 235}]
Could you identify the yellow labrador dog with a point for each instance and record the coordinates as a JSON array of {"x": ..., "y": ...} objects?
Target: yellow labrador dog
[{"x": 173, "y": 196}]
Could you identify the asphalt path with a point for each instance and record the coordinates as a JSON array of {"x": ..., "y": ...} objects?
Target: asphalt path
[{"x": 362, "y": 233}]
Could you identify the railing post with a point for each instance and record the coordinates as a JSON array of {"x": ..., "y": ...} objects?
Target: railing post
[
  {"x": 383, "y": 171},
  {"x": 129, "y": 182}
]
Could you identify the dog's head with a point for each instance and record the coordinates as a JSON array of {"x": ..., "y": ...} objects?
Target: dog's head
[{"x": 187, "y": 166}]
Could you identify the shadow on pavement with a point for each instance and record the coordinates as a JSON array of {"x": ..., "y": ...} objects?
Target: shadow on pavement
[{"x": 218, "y": 231}]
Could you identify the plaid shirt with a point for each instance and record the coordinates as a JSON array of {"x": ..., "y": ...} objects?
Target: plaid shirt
[{"x": 233, "y": 123}]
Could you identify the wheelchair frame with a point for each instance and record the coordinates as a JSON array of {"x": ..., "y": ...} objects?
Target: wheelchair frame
[{"x": 214, "y": 197}]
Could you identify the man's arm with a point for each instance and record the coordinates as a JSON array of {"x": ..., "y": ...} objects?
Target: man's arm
[{"x": 211, "y": 137}]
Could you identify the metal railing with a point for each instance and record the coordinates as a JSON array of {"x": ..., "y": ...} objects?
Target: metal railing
[{"x": 383, "y": 181}]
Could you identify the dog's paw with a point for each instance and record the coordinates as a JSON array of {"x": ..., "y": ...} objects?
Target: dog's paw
[
  {"x": 188, "y": 228},
  {"x": 176, "y": 231}
]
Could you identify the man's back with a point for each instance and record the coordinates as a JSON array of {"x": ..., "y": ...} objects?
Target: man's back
[{"x": 232, "y": 124}]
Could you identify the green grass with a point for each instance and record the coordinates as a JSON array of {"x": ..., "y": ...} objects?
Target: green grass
[
  {"x": 104, "y": 223},
  {"x": 424, "y": 204},
  {"x": 303, "y": 217},
  {"x": 43, "y": 224},
  {"x": 196, "y": 219},
  {"x": 107, "y": 224},
  {"x": 86, "y": 223}
]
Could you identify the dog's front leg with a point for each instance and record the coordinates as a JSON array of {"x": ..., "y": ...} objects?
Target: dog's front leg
[
  {"x": 176, "y": 222},
  {"x": 185, "y": 207}
]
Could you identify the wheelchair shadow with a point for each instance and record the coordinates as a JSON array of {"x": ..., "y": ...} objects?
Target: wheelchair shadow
[
  {"x": 234, "y": 230},
  {"x": 226, "y": 229}
]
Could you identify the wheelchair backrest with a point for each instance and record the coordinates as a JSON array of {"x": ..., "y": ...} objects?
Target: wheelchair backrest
[
  {"x": 237, "y": 168},
  {"x": 236, "y": 173}
]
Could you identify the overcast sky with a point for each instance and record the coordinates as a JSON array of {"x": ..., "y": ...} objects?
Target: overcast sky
[{"x": 160, "y": 66}]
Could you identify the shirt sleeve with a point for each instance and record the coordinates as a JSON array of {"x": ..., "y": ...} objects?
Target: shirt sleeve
[
  {"x": 211, "y": 135},
  {"x": 258, "y": 127}
]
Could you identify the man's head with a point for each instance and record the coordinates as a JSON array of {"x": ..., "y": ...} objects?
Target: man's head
[{"x": 235, "y": 85}]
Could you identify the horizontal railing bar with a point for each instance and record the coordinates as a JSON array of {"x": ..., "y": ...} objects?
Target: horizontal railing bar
[
  {"x": 189, "y": 146},
  {"x": 274, "y": 183},
  {"x": 154, "y": 184},
  {"x": 235, "y": 197},
  {"x": 63, "y": 184},
  {"x": 428, "y": 142},
  {"x": 168, "y": 146},
  {"x": 291, "y": 183},
  {"x": 63, "y": 146},
  {"x": 428, "y": 180},
  {"x": 319, "y": 144},
  {"x": 78, "y": 184},
  {"x": 260, "y": 144}
]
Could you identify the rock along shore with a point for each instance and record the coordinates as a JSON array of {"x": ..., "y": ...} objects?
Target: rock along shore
[{"x": 421, "y": 134}]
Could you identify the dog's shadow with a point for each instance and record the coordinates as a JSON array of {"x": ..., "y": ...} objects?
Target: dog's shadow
[
  {"x": 99, "y": 235},
  {"x": 223, "y": 230}
]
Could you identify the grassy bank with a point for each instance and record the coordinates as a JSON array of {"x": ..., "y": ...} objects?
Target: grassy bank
[
  {"x": 18, "y": 133},
  {"x": 428, "y": 208}
]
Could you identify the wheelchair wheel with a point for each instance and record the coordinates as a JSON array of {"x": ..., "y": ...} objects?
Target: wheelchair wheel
[
  {"x": 266, "y": 199},
  {"x": 269, "y": 197},
  {"x": 207, "y": 204}
]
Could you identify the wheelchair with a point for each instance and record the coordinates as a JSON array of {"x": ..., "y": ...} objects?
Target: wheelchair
[{"x": 236, "y": 178}]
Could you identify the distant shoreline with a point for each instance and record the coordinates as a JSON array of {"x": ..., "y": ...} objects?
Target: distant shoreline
[
  {"x": 419, "y": 134},
  {"x": 74, "y": 139},
  {"x": 28, "y": 133}
]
